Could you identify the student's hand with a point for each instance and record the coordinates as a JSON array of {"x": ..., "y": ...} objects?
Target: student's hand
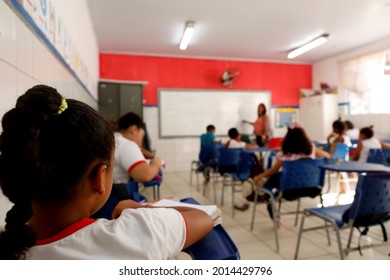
[
  {"x": 125, "y": 204},
  {"x": 156, "y": 161}
]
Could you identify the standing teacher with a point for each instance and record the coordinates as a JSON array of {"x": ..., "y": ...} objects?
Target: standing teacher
[{"x": 260, "y": 126}]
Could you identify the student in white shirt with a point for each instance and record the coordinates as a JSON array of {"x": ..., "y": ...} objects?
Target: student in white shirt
[
  {"x": 235, "y": 140},
  {"x": 367, "y": 141},
  {"x": 129, "y": 160},
  {"x": 65, "y": 152}
]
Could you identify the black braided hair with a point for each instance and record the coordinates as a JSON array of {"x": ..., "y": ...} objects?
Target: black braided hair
[{"x": 43, "y": 156}]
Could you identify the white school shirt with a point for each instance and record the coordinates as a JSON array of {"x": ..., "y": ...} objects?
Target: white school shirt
[
  {"x": 236, "y": 144},
  {"x": 371, "y": 143},
  {"x": 127, "y": 156},
  {"x": 138, "y": 234}
]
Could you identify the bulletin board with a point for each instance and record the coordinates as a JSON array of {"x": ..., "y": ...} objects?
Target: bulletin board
[
  {"x": 285, "y": 116},
  {"x": 186, "y": 112}
]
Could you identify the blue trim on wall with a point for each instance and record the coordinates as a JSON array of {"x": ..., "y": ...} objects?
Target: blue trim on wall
[
  {"x": 295, "y": 107},
  {"x": 19, "y": 8}
]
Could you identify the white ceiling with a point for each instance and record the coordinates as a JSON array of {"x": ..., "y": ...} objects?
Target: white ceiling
[{"x": 259, "y": 30}]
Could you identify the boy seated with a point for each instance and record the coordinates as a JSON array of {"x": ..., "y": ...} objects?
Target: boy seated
[{"x": 235, "y": 140}]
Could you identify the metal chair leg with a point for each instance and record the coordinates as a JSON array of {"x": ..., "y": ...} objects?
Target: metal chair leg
[
  {"x": 297, "y": 214},
  {"x": 299, "y": 237},
  {"x": 233, "y": 191}
]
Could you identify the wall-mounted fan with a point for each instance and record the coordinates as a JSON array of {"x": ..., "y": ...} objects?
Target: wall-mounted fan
[{"x": 229, "y": 76}]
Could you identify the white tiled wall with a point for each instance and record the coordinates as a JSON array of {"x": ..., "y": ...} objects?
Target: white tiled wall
[{"x": 24, "y": 62}]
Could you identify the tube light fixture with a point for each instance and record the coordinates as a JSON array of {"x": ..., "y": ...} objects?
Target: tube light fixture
[
  {"x": 387, "y": 65},
  {"x": 311, "y": 45},
  {"x": 185, "y": 40}
]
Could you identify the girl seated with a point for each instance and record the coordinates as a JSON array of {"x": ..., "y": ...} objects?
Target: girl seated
[
  {"x": 56, "y": 167},
  {"x": 296, "y": 145},
  {"x": 367, "y": 141}
]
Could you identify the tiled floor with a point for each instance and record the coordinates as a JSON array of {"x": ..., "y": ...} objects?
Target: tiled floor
[{"x": 260, "y": 243}]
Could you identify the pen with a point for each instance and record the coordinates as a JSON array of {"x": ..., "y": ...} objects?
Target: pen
[{"x": 142, "y": 201}]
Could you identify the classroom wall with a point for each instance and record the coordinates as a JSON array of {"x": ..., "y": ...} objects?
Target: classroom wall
[
  {"x": 24, "y": 62},
  {"x": 283, "y": 80},
  {"x": 327, "y": 71}
]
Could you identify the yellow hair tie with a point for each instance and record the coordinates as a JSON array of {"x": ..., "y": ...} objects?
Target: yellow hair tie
[{"x": 62, "y": 107}]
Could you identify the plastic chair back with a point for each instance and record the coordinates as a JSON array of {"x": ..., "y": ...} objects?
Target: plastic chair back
[
  {"x": 386, "y": 156},
  {"x": 228, "y": 160},
  {"x": 209, "y": 153},
  {"x": 247, "y": 162},
  {"x": 340, "y": 152},
  {"x": 372, "y": 198},
  {"x": 376, "y": 156},
  {"x": 303, "y": 173}
]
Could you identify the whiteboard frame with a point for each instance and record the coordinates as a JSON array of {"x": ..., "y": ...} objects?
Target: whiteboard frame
[{"x": 160, "y": 92}]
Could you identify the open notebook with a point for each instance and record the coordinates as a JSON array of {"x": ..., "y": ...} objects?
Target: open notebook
[{"x": 213, "y": 211}]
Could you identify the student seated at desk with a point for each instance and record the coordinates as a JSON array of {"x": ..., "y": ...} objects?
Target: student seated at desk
[
  {"x": 65, "y": 152},
  {"x": 129, "y": 160},
  {"x": 208, "y": 137},
  {"x": 234, "y": 143},
  {"x": 338, "y": 135},
  {"x": 367, "y": 141},
  {"x": 296, "y": 145},
  {"x": 235, "y": 140}
]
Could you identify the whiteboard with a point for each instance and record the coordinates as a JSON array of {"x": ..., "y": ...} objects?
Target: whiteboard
[{"x": 186, "y": 113}]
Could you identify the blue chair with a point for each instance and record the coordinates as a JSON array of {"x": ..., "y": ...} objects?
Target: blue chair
[
  {"x": 299, "y": 178},
  {"x": 227, "y": 167},
  {"x": 235, "y": 166},
  {"x": 386, "y": 156},
  {"x": 217, "y": 245},
  {"x": 155, "y": 184},
  {"x": 340, "y": 153},
  {"x": 376, "y": 156},
  {"x": 207, "y": 161},
  {"x": 370, "y": 207}
]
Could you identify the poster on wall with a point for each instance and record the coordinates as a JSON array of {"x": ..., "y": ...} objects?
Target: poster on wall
[
  {"x": 44, "y": 17},
  {"x": 285, "y": 116}
]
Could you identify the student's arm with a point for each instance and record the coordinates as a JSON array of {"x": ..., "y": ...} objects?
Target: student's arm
[
  {"x": 329, "y": 137},
  {"x": 248, "y": 122},
  {"x": 251, "y": 146},
  {"x": 273, "y": 170},
  {"x": 385, "y": 145},
  {"x": 321, "y": 154},
  {"x": 358, "y": 151},
  {"x": 145, "y": 172},
  {"x": 198, "y": 222},
  {"x": 147, "y": 154}
]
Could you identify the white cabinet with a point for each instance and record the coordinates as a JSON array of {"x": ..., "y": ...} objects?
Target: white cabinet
[{"x": 317, "y": 113}]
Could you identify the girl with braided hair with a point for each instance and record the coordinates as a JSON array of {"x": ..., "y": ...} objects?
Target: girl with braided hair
[{"x": 56, "y": 167}]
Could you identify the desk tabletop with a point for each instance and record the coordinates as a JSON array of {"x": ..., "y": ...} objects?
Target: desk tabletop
[
  {"x": 260, "y": 149},
  {"x": 355, "y": 166}
]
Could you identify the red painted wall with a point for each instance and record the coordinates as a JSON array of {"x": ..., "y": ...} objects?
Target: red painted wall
[{"x": 283, "y": 80}]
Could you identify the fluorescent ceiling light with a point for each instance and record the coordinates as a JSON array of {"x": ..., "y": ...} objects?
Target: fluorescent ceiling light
[
  {"x": 185, "y": 40},
  {"x": 307, "y": 47}
]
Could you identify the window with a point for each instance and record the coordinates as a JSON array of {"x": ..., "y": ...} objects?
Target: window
[{"x": 366, "y": 85}]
